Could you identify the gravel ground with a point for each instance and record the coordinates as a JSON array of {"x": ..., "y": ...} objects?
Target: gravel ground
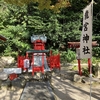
[
  {"x": 10, "y": 94},
  {"x": 63, "y": 89},
  {"x": 66, "y": 90}
]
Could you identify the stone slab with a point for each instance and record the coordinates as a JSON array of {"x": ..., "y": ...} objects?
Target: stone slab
[
  {"x": 37, "y": 91},
  {"x": 12, "y": 70}
]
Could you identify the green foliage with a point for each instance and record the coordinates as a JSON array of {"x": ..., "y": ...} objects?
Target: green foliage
[
  {"x": 68, "y": 56},
  {"x": 13, "y": 27},
  {"x": 96, "y": 29},
  {"x": 75, "y": 68},
  {"x": 55, "y": 5},
  {"x": 54, "y": 52},
  {"x": 19, "y": 23},
  {"x": 96, "y": 52},
  {"x": 93, "y": 59},
  {"x": 85, "y": 72}
]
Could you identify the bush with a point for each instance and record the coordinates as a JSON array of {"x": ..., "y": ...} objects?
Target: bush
[
  {"x": 85, "y": 72},
  {"x": 68, "y": 56},
  {"x": 75, "y": 68}
]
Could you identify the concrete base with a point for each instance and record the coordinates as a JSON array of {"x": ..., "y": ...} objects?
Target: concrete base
[{"x": 12, "y": 70}]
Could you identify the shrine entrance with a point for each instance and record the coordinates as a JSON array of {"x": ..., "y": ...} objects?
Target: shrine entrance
[{"x": 77, "y": 46}]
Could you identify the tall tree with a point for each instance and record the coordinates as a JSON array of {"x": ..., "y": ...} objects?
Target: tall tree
[
  {"x": 42, "y": 4},
  {"x": 13, "y": 22}
]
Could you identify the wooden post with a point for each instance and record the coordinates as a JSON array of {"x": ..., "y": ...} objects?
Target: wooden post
[
  {"x": 79, "y": 67},
  {"x": 89, "y": 64},
  {"x": 26, "y": 55}
]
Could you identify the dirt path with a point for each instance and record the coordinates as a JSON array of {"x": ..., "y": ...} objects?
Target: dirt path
[{"x": 65, "y": 89}]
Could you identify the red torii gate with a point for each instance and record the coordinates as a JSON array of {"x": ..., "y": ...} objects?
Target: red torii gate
[{"x": 77, "y": 45}]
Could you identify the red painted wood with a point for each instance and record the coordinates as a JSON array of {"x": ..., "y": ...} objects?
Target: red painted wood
[
  {"x": 13, "y": 76},
  {"x": 89, "y": 64},
  {"x": 77, "y": 44},
  {"x": 79, "y": 67}
]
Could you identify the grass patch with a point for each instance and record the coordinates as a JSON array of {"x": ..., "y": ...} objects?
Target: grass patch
[{"x": 75, "y": 68}]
